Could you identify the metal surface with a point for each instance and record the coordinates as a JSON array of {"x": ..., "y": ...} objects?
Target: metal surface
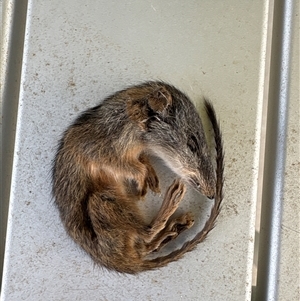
[
  {"x": 275, "y": 154},
  {"x": 75, "y": 54},
  {"x": 14, "y": 21}
]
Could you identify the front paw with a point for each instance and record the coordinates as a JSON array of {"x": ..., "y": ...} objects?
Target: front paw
[{"x": 153, "y": 182}]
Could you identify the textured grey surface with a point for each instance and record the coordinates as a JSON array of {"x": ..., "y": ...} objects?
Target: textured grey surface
[{"x": 78, "y": 52}]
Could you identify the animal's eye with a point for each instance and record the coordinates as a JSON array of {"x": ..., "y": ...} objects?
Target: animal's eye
[
  {"x": 193, "y": 144},
  {"x": 195, "y": 182}
]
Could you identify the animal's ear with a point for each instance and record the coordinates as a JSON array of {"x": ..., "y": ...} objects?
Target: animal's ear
[
  {"x": 160, "y": 100},
  {"x": 141, "y": 108}
]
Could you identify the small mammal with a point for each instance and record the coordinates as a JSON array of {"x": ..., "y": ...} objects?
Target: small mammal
[{"x": 101, "y": 170}]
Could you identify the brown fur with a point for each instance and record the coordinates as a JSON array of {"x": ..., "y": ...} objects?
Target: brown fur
[{"x": 102, "y": 169}]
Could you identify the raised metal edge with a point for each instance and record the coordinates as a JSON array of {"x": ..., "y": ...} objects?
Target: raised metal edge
[
  {"x": 14, "y": 23},
  {"x": 268, "y": 238}
]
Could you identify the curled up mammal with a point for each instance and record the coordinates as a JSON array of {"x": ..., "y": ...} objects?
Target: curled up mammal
[{"x": 101, "y": 170}]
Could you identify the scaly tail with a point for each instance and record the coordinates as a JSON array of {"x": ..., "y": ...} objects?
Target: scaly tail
[{"x": 210, "y": 223}]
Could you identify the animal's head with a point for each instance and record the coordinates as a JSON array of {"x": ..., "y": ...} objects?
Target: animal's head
[{"x": 173, "y": 131}]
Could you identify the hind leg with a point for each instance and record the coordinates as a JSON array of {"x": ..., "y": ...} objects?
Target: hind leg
[
  {"x": 173, "y": 196},
  {"x": 171, "y": 231}
]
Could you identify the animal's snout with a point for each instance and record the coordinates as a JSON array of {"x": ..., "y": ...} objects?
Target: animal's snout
[{"x": 211, "y": 197}]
